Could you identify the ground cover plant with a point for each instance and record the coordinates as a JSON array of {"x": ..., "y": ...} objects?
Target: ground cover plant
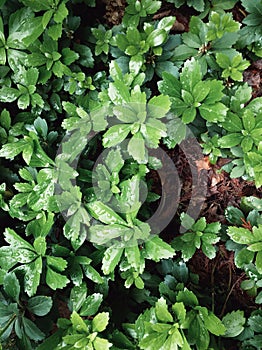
[{"x": 130, "y": 161}]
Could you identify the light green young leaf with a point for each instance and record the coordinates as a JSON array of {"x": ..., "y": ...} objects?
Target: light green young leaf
[
  {"x": 103, "y": 234},
  {"x": 158, "y": 106},
  {"x": 100, "y": 322},
  {"x": 101, "y": 344},
  {"x": 240, "y": 235},
  {"x": 214, "y": 324},
  {"x": 116, "y": 134},
  {"x": 104, "y": 213},
  {"x": 162, "y": 312},
  {"x": 157, "y": 37},
  {"x": 133, "y": 257},
  {"x": 111, "y": 258},
  {"x": 157, "y": 249},
  {"x": 136, "y": 148},
  {"x": 230, "y": 140}
]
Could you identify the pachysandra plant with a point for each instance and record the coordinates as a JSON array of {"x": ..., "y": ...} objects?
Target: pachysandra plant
[
  {"x": 191, "y": 95},
  {"x": 251, "y": 31},
  {"x": 140, "y": 45},
  {"x": 141, "y": 119},
  {"x": 204, "y": 40}
]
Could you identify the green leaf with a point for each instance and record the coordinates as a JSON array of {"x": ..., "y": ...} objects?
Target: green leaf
[
  {"x": 162, "y": 312},
  {"x": 190, "y": 75},
  {"x": 16, "y": 241},
  {"x": 111, "y": 258},
  {"x": 55, "y": 280},
  {"x": 187, "y": 297},
  {"x": 136, "y": 148},
  {"x": 249, "y": 120},
  {"x": 55, "y": 31},
  {"x": 52, "y": 341},
  {"x": 213, "y": 113},
  {"x": 8, "y": 94},
  {"x": 100, "y": 322},
  {"x": 176, "y": 133},
  {"x": 114, "y": 160},
  {"x": 32, "y": 276},
  {"x": 86, "y": 58},
  {"x": 259, "y": 262},
  {"x": 153, "y": 341},
  {"x": 207, "y": 245},
  {"x": 180, "y": 311},
  {"x": 61, "y": 13},
  {"x": 234, "y": 323},
  {"x": 166, "y": 23},
  {"x": 243, "y": 257},
  {"x": 116, "y": 134},
  {"x": 241, "y": 235},
  {"x": 12, "y": 286},
  {"x": 170, "y": 85},
  {"x": 198, "y": 333},
  {"x": 31, "y": 330},
  {"x": 104, "y": 213},
  {"x": 56, "y": 262},
  {"x": 78, "y": 296},
  {"x": 153, "y": 131},
  {"x": 103, "y": 234},
  {"x": 189, "y": 115},
  {"x": 158, "y": 106},
  {"x": 78, "y": 324},
  {"x": 133, "y": 35},
  {"x": 233, "y": 123},
  {"x": 91, "y": 305},
  {"x": 254, "y": 322},
  {"x": 186, "y": 221},
  {"x": 69, "y": 56},
  {"x": 157, "y": 249},
  {"x": 224, "y": 4},
  {"x": 47, "y": 17},
  {"x": 133, "y": 257},
  {"x": 40, "y": 245},
  {"x": 101, "y": 344},
  {"x": 187, "y": 97},
  {"x": 255, "y": 247},
  {"x": 215, "y": 93},
  {"x": 200, "y": 91},
  {"x": 214, "y": 324},
  {"x": 230, "y": 140},
  {"x": 135, "y": 64},
  {"x": 157, "y": 37},
  {"x": 5, "y": 119},
  {"x": 126, "y": 114},
  {"x": 234, "y": 215},
  {"x": 92, "y": 274},
  {"x": 40, "y": 305}
]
